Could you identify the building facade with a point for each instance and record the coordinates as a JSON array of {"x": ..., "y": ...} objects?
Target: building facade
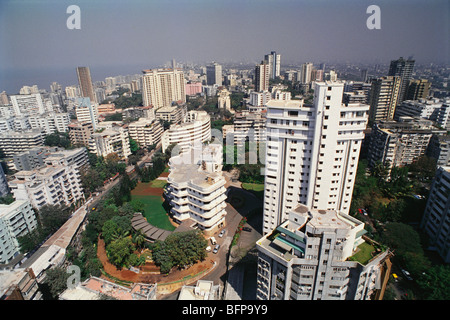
[
  {"x": 383, "y": 98},
  {"x": 312, "y": 153},
  {"x": 162, "y": 87},
  {"x": 314, "y": 256},
  {"x": 146, "y": 132},
  {"x": 85, "y": 82},
  {"x": 16, "y": 219},
  {"x": 196, "y": 188},
  {"x": 436, "y": 218},
  {"x": 16, "y": 142},
  {"x": 112, "y": 140}
]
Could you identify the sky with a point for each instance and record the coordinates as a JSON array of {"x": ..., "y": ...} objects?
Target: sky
[{"x": 124, "y": 37}]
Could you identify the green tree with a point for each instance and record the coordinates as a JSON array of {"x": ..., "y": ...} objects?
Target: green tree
[
  {"x": 435, "y": 283},
  {"x": 56, "y": 280},
  {"x": 118, "y": 251}
]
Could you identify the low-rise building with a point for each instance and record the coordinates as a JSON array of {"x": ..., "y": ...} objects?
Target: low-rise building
[
  {"x": 16, "y": 142},
  {"x": 400, "y": 142},
  {"x": 19, "y": 284},
  {"x": 52, "y": 185},
  {"x": 145, "y": 131},
  {"x": 113, "y": 140},
  {"x": 16, "y": 219}
]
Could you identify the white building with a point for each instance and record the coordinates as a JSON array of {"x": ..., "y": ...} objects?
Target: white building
[
  {"x": 27, "y": 104},
  {"x": 312, "y": 153},
  {"x": 435, "y": 221},
  {"x": 196, "y": 128},
  {"x": 16, "y": 219},
  {"x": 315, "y": 256},
  {"x": 52, "y": 185},
  {"x": 50, "y": 122},
  {"x": 16, "y": 142},
  {"x": 162, "y": 87},
  {"x": 112, "y": 140},
  {"x": 145, "y": 131},
  {"x": 86, "y": 111},
  {"x": 196, "y": 189}
]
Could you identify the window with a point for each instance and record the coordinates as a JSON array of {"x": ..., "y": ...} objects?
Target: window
[{"x": 293, "y": 113}]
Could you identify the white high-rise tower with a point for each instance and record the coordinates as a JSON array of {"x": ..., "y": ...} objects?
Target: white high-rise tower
[{"x": 312, "y": 153}]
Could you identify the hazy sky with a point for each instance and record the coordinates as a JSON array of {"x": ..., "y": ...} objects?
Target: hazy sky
[{"x": 143, "y": 33}]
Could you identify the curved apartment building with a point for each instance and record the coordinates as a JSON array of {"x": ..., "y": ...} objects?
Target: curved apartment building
[
  {"x": 196, "y": 189},
  {"x": 196, "y": 128}
]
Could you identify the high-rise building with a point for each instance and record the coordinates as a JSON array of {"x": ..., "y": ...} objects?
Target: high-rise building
[
  {"x": 305, "y": 74},
  {"x": 312, "y": 153},
  {"x": 437, "y": 212},
  {"x": 85, "y": 82},
  {"x": 27, "y": 104},
  {"x": 417, "y": 89},
  {"x": 214, "y": 74},
  {"x": 274, "y": 61},
  {"x": 162, "y": 87},
  {"x": 316, "y": 255},
  {"x": 262, "y": 77},
  {"x": 402, "y": 68},
  {"x": 383, "y": 98}
]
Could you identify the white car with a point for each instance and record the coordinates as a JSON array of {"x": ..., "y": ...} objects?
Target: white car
[
  {"x": 208, "y": 248},
  {"x": 221, "y": 233}
]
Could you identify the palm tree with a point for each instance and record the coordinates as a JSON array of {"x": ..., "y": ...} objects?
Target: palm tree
[{"x": 139, "y": 239}]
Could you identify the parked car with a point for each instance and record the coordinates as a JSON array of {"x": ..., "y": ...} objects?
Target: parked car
[
  {"x": 247, "y": 229},
  {"x": 216, "y": 248},
  {"x": 213, "y": 240},
  {"x": 407, "y": 274},
  {"x": 221, "y": 233},
  {"x": 208, "y": 248}
]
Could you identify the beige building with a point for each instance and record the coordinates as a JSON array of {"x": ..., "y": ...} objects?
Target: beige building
[
  {"x": 85, "y": 82},
  {"x": 80, "y": 133},
  {"x": 145, "y": 131},
  {"x": 111, "y": 140},
  {"x": 383, "y": 98},
  {"x": 162, "y": 87}
]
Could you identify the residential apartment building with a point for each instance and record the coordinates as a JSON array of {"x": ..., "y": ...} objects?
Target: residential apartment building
[
  {"x": 32, "y": 158},
  {"x": 145, "y": 131},
  {"x": 80, "y": 133},
  {"x": 315, "y": 255},
  {"x": 436, "y": 218},
  {"x": 274, "y": 61},
  {"x": 224, "y": 100},
  {"x": 27, "y": 104},
  {"x": 439, "y": 149},
  {"x": 417, "y": 89},
  {"x": 312, "y": 153},
  {"x": 437, "y": 110},
  {"x": 214, "y": 74},
  {"x": 162, "y": 87},
  {"x": 85, "y": 82},
  {"x": 196, "y": 128},
  {"x": 249, "y": 126},
  {"x": 4, "y": 189},
  {"x": 16, "y": 219},
  {"x": 53, "y": 185},
  {"x": 19, "y": 284},
  {"x": 174, "y": 114},
  {"x": 87, "y": 112},
  {"x": 50, "y": 122},
  {"x": 262, "y": 72},
  {"x": 112, "y": 140},
  {"x": 383, "y": 98},
  {"x": 402, "y": 68},
  {"x": 16, "y": 142},
  {"x": 399, "y": 143},
  {"x": 196, "y": 188}
]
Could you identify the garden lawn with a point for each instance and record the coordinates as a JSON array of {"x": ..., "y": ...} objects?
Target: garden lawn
[
  {"x": 154, "y": 211},
  {"x": 257, "y": 188}
]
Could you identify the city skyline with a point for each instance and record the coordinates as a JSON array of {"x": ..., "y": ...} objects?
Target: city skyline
[{"x": 119, "y": 37}]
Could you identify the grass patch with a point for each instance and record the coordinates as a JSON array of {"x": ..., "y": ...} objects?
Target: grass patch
[
  {"x": 256, "y": 188},
  {"x": 158, "y": 183},
  {"x": 154, "y": 211},
  {"x": 364, "y": 253}
]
